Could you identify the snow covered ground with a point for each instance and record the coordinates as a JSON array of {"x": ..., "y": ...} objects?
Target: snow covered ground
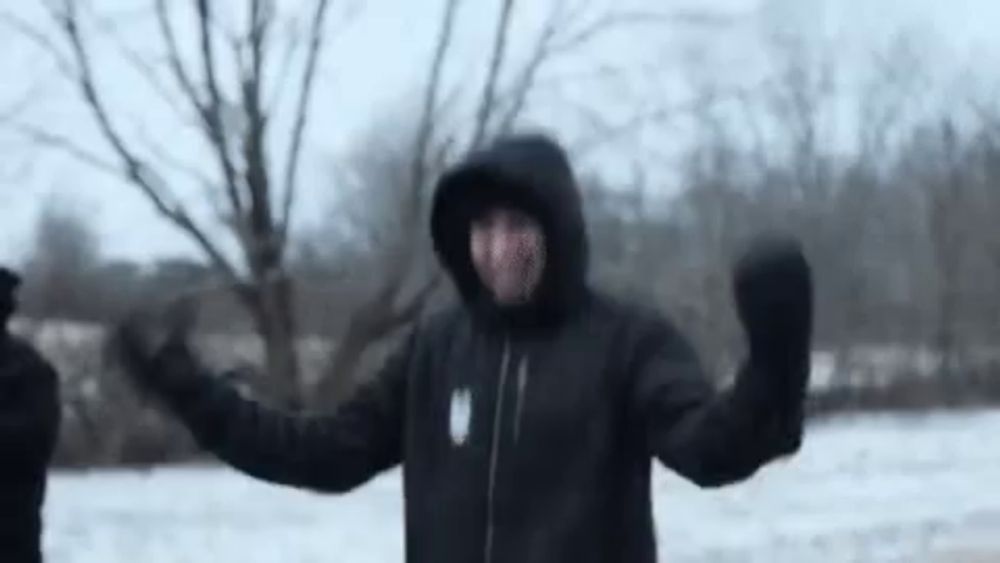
[{"x": 865, "y": 489}]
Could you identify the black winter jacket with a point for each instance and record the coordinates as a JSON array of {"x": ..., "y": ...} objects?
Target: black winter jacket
[
  {"x": 29, "y": 428},
  {"x": 525, "y": 435}
]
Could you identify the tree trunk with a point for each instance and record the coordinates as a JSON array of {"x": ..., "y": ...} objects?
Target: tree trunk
[
  {"x": 945, "y": 249},
  {"x": 370, "y": 325},
  {"x": 342, "y": 374},
  {"x": 945, "y": 334},
  {"x": 275, "y": 324}
]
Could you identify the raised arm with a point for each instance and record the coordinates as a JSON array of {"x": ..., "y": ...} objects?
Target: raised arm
[
  {"x": 330, "y": 453},
  {"x": 714, "y": 438}
]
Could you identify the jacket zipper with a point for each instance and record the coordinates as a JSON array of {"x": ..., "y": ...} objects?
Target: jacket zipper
[
  {"x": 522, "y": 381},
  {"x": 494, "y": 453}
]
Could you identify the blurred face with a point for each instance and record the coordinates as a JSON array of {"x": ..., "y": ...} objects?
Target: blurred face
[{"x": 508, "y": 252}]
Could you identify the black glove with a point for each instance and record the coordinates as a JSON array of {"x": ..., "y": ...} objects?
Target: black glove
[
  {"x": 774, "y": 299},
  {"x": 152, "y": 348}
]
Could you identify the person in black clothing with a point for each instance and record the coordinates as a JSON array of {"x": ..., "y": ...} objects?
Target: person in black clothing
[
  {"x": 29, "y": 427},
  {"x": 526, "y": 417}
]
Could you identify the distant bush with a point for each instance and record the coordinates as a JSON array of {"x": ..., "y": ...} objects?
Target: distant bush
[
  {"x": 971, "y": 389},
  {"x": 106, "y": 423}
]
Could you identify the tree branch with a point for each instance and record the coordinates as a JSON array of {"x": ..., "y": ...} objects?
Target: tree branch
[
  {"x": 253, "y": 143},
  {"x": 174, "y": 59},
  {"x": 146, "y": 71},
  {"x": 65, "y": 145},
  {"x": 167, "y": 159},
  {"x": 526, "y": 80},
  {"x": 208, "y": 62},
  {"x": 212, "y": 113},
  {"x": 406, "y": 313},
  {"x": 316, "y": 37},
  {"x": 23, "y": 102},
  {"x": 137, "y": 172},
  {"x": 611, "y": 21},
  {"x": 987, "y": 115},
  {"x": 296, "y": 42},
  {"x": 611, "y": 132},
  {"x": 39, "y": 38},
  {"x": 759, "y": 148},
  {"x": 487, "y": 102},
  {"x": 209, "y": 119},
  {"x": 425, "y": 129},
  {"x": 285, "y": 67},
  {"x": 396, "y": 317},
  {"x": 556, "y": 40}
]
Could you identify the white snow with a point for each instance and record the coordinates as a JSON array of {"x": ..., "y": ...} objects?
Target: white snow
[{"x": 867, "y": 489}]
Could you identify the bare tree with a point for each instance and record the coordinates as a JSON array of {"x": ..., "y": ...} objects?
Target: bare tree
[
  {"x": 378, "y": 249},
  {"x": 256, "y": 192},
  {"x": 62, "y": 264},
  {"x": 947, "y": 189},
  {"x": 253, "y": 191},
  {"x": 402, "y": 265},
  {"x": 719, "y": 217},
  {"x": 986, "y": 207}
]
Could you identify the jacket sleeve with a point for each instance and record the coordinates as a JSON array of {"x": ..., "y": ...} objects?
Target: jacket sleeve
[
  {"x": 329, "y": 453},
  {"x": 711, "y": 437},
  {"x": 30, "y": 410}
]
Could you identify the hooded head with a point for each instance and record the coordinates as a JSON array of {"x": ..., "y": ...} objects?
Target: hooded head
[{"x": 530, "y": 175}]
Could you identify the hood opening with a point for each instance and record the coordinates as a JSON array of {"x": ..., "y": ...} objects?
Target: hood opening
[{"x": 532, "y": 174}]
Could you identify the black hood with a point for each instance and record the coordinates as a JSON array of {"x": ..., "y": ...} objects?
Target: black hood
[{"x": 531, "y": 173}]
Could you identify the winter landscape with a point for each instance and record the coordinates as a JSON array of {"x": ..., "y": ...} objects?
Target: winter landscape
[
  {"x": 871, "y": 488},
  {"x": 273, "y": 162}
]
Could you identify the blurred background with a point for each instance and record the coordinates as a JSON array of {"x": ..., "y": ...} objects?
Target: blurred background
[{"x": 273, "y": 160}]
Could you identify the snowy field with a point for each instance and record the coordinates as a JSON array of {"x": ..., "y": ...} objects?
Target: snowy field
[{"x": 865, "y": 489}]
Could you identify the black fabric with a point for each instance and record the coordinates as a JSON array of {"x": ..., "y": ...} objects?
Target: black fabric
[
  {"x": 773, "y": 296},
  {"x": 518, "y": 444},
  {"x": 29, "y": 427},
  {"x": 9, "y": 282}
]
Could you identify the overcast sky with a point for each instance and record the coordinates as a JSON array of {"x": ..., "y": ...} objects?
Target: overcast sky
[{"x": 376, "y": 61}]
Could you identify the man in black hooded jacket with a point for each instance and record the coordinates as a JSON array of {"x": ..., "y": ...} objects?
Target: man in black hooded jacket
[
  {"x": 29, "y": 427},
  {"x": 525, "y": 418}
]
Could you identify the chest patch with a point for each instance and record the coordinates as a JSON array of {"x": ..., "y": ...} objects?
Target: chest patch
[{"x": 460, "y": 416}]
